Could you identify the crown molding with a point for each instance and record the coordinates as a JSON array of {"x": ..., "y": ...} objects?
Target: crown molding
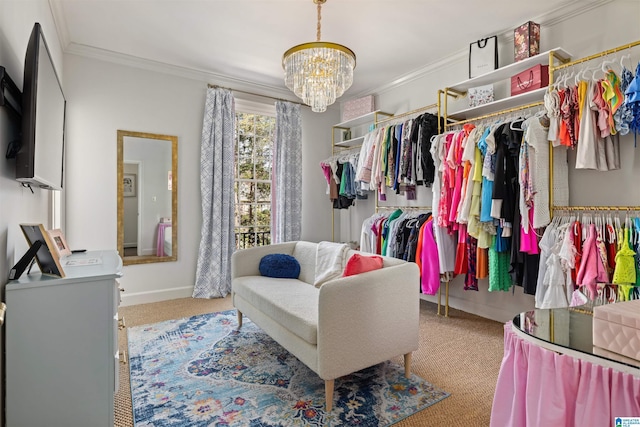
[
  {"x": 554, "y": 17},
  {"x": 558, "y": 15},
  {"x": 185, "y": 72},
  {"x": 60, "y": 23}
]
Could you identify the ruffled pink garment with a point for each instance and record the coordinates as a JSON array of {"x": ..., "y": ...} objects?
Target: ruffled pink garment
[{"x": 592, "y": 269}]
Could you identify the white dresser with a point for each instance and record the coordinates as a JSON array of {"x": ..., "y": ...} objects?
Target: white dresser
[{"x": 62, "y": 345}]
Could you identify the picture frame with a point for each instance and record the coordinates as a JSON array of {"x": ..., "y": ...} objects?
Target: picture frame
[
  {"x": 129, "y": 185},
  {"x": 59, "y": 242},
  {"x": 46, "y": 257}
]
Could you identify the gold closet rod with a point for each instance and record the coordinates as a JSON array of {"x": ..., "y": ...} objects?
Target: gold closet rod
[
  {"x": 596, "y": 208},
  {"x": 408, "y": 113},
  {"x": 497, "y": 113},
  {"x": 408, "y": 208},
  {"x": 597, "y": 55}
]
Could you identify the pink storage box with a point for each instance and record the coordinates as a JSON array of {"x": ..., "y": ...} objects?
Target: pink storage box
[
  {"x": 616, "y": 329},
  {"x": 357, "y": 107}
]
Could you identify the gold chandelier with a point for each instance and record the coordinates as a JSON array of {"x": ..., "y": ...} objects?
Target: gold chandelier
[{"x": 318, "y": 72}]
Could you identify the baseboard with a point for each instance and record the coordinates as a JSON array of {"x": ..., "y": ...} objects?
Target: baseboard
[
  {"x": 488, "y": 312},
  {"x": 156, "y": 296}
]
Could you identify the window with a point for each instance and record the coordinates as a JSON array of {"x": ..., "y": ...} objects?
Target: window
[{"x": 253, "y": 160}]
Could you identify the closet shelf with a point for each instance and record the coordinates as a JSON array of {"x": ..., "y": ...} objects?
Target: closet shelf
[
  {"x": 509, "y": 70},
  {"x": 367, "y": 118},
  {"x": 350, "y": 142},
  {"x": 500, "y": 104}
]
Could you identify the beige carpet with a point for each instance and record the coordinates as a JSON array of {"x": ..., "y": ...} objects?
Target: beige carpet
[{"x": 460, "y": 354}]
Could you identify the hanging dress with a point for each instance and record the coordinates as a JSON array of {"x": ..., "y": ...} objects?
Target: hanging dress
[
  {"x": 547, "y": 241},
  {"x": 625, "y": 272},
  {"x": 592, "y": 269},
  {"x": 430, "y": 265},
  {"x": 554, "y": 280}
]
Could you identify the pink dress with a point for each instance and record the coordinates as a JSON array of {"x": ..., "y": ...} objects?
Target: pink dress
[
  {"x": 529, "y": 240},
  {"x": 430, "y": 262},
  {"x": 459, "y": 176},
  {"x": 592, "y": 269},
  {"x": 445, "y": 189}
]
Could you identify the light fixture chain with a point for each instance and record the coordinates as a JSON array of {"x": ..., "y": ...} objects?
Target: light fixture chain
[{"x": 319, "y": 18}]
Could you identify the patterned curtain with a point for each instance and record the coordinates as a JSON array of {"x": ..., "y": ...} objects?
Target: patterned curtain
[
  {"x": 286, "y": 188},
  {"x": 217, "y": 242}
]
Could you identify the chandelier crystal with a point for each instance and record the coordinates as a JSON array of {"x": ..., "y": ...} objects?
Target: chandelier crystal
[{"x": 318, "y": 72}]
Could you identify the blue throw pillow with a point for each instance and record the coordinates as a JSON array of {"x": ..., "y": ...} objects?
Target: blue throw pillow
[{"x": 282, "y": 266}]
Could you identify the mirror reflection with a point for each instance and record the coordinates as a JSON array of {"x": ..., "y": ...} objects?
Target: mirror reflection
[{"x": 147, "y": 197}]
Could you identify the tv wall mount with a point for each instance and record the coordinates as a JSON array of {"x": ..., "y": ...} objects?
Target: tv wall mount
[{"x": 10, "y": 95}]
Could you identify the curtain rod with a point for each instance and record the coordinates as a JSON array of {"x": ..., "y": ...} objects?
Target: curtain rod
[{"x": 255, "y": 94}]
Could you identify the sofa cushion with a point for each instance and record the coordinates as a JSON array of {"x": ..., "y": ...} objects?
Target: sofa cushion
[
  {"x": 290, "y": 302},
  {"x": 305, "y": 253},
  {"x": 279, "y": 265},
  {"x": 361, "y": 264}
]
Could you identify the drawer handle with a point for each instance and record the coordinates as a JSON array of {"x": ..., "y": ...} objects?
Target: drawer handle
[
  {"x": 121, "y": 289},
  {"x": 121, "y": 323},
  {"x": 122, "y": 357}
]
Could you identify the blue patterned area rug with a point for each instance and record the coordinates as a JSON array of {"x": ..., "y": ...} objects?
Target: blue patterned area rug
[{"x": 202, "y": 371}]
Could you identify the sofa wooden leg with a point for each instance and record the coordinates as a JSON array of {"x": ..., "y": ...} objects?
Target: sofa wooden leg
[
  {"x": 239, "y": 319},
  {"x": 328, "y": 392},
  {"x": 407, "y": 365}
]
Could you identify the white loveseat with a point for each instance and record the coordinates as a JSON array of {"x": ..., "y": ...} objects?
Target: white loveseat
[{"x": 345, "y": 325}]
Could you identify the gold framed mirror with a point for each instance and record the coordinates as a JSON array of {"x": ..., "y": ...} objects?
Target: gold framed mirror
[{"x": 147, "y": 197}]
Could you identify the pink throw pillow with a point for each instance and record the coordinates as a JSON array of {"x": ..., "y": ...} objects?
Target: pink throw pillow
[{"x": 361, "y": 264}]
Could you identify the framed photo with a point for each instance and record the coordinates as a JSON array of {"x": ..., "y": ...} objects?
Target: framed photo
[
  {"x": 129, "y": 185},
  {"x": 47, "y": 256},
  {"x": 59, "y": 243}
]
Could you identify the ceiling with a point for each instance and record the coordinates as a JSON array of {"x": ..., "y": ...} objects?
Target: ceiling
[{"x": 242, "y": 41}]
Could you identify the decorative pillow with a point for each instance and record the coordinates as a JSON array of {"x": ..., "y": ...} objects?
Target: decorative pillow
[
  {"x": 361, "y": 264},
  {"x": 282, "y": 266}
]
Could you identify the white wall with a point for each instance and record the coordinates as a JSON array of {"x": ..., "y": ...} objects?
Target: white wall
[
  {"x": 18, "y": 204},
  {"x": 610, "y": 25},
  {"x": 104, "y": 97}
]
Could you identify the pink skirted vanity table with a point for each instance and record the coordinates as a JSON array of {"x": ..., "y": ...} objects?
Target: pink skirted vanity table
[
  {"x": 552, "y": 375},
  {"x": 163, "y": 245}
]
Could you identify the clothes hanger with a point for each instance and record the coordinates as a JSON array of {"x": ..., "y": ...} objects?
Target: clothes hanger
[
  {"x": 558, "y": 82},
  {"x": 515, "y": 122},
  {"x": 564, "y": 82},
  {"x": 622, "y": 58},
  {"x": 607, "y": 69},
  {"x": 578, "y": 76}
]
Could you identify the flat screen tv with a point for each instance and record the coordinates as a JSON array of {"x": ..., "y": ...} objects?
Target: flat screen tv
[{"x": 40, "y": 160}]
